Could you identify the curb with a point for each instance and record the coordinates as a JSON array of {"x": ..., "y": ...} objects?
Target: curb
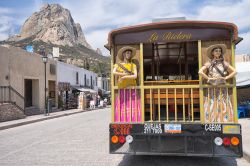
[{"x": 39, "y": 120}]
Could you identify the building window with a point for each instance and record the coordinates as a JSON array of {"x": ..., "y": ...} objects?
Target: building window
[
  {"x": 77, "y": 78},
  {"x": 85, "y": 80},
  {"x": 91, "y": 82},
  {"x": 96, "y": 81},
  {"x": 102, "y": 84},
  {"x": 52, "y": 68}
]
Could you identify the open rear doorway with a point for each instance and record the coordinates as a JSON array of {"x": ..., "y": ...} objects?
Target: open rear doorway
[{"x": 171, "y": 64}]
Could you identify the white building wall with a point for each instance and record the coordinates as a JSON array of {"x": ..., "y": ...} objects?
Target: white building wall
[
  {"x": 67, "y": 73},
  {"x": 242, "y": 58},
  {"x": 103, "y": 83}
]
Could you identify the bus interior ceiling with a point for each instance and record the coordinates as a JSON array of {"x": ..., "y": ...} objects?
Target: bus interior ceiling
[{"x": 175, "y": 64}]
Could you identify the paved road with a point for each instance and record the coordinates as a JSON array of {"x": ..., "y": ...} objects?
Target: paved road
[{"x": 80, "y": 139}]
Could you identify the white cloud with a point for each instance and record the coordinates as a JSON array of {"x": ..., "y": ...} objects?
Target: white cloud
[
  {"x": 11, "y": 18},
  {"x": 37, "y": 4},
  {"x": 99, "y": 17},
  {"x": 118, "y": 13},
  {"x": 244, "y": 46},
  {"x": 6, "y": 26},
  {"x": 5, "y": 10},
  {"x": 98, "y": 40},
  {"x": 3, "y": 36},
  {"x": 23, "y": 15},
  {"x": 236, "y": 12}
]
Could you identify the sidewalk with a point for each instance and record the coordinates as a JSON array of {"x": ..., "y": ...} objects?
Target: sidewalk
[
  {"x": 37, "y": 118},
  {"x": 245, "y": 127}
]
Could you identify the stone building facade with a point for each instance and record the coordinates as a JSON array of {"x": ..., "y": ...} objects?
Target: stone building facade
[{"x": 25, "y": 73}]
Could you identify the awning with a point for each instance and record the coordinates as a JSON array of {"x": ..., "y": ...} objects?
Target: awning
[
  {"x": 107, "y": 93},
  {"x": 86, "y": 90},
  {"x": 104, "y": 91},
  {"x": 243, "y": 74}
]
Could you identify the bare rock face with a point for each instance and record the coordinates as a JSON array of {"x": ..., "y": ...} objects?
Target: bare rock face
[
  {"x": 81, "y": 37},
  {"x": 53, "y": 24},
  {"x": 98, "y": 51}
]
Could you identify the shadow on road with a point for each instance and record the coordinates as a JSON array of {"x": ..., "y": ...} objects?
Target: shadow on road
[{"x": 129, "y": 160}]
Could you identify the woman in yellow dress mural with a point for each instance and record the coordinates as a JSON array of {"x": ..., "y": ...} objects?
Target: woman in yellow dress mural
[
  {"x": 126, "y": 71},
  {"x": 217, "y": 105}
]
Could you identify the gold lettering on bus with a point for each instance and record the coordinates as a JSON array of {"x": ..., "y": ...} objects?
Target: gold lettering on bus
[
  {"x": 153, "y": 37},
  {"x": 176, "y": 36},
  {"x": 170, "y": 36}
]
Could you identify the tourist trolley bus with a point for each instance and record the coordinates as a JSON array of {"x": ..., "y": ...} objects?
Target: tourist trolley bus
[{"x": 163, "y": 113}]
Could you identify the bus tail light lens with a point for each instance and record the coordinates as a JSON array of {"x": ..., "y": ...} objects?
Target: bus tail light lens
[
  {"x": 122, "y": 139},
  {"x": 114, "y": 139},
  {"x": 235, "y": 141},
  {"x": 129, "y": 139},
  {"x": 218, "y": 141},
  {"x": 226, "y": 141}
]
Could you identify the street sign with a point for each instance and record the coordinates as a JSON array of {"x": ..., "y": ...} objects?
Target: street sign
[{"x": 56, "y": 52}]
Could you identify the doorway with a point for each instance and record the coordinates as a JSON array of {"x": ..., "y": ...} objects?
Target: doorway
[
  {"x": 52, "y": 92},
  {"x": 28, "y": 92}
]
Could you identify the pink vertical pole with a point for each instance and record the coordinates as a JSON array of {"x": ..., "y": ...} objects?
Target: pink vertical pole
[
  {"x": 138, "y": 107},
  {"x": 133, "y": 105},
  {"x": 122, "y": 105},
  {"x": 127, "y": 104}
]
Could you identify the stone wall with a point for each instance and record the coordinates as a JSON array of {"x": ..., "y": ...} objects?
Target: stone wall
[{"x": 10, "y": 112}]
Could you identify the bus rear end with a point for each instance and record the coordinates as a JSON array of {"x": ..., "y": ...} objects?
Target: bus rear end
[{"x": 164, "y": 114}]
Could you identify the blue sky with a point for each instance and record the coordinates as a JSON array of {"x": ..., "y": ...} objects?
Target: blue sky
[{"x": 98, "y": 17}]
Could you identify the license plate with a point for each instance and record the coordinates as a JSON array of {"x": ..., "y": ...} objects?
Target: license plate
[
  {"x": 150, "y": 128},
  {"x": 172, "y": 128},
  {"x": 231, "y": 129}
]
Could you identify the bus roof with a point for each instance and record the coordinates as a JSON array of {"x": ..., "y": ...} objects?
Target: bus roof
[{"x": 223, "y": 30}]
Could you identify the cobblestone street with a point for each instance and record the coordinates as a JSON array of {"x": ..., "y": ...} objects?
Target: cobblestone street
[{"x": 80, "y": 139}]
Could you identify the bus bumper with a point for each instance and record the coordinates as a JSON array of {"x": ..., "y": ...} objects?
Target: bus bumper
[{"x": 175, "y": 139}]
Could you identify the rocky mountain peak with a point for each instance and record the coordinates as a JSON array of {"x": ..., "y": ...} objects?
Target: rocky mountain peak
[{"x": 52, "y": 24}]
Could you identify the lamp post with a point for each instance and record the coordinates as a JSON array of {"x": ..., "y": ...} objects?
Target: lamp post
[{"x": 45, "y": 60}]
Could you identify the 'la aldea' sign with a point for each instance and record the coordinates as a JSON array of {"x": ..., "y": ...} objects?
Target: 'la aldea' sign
[
  {"x": 168, "y": 36},
  {"x": 171, "y": 35}
]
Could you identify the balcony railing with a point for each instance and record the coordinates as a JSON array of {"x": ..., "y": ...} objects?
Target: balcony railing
[
  {"x": 174, "y": 103},
  {"x": 10, "y": 95}
]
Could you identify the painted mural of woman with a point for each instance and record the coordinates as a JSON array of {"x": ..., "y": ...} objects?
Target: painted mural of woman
[
  {"x": 217, "y": 105},
  {"x": 126, "y": 71}
]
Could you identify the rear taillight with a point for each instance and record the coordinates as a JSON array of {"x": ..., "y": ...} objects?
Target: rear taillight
[
  {"x": 122, "y": 139},
  {"x": 226, "y": 141},
  {"x": 114, "y": 139},
  {"x": 218, "y": 141},
  {"x": 235, "y": 141},
  {"x": 129, "y": 139}
]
